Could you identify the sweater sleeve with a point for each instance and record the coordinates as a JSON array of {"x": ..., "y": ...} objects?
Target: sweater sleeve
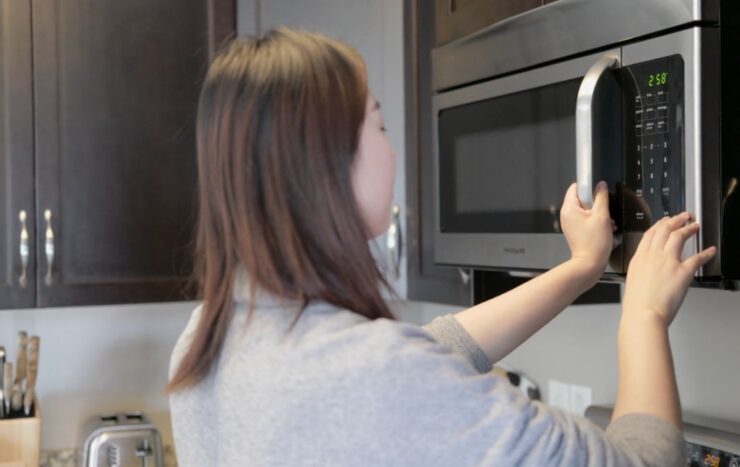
[
  {"x": 450, "y": 333},
  {"x": 498, "y": 425}
]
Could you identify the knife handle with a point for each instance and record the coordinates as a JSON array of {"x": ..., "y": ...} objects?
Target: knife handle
[
  {"x": 28, "y": 400},
  {"x": 20, "y": 367},
  {"x": 2, "y": 366},
  {"x": 7, "y": 385},
  {"x": 17, "y": 401},
  {"x": 33, "y": 362}
]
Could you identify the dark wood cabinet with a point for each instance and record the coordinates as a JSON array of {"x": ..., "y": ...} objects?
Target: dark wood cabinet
[
  {"x": 17, "y": 204},
  {"x": 458, "y": 18},
  {"x": 115, "y": 89},
  {"x": 425, "y": 280}
]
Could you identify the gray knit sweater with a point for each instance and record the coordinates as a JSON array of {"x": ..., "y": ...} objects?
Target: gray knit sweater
[{"x": 340, "y": 390}]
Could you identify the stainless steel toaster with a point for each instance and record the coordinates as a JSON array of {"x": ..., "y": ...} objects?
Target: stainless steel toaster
[{"x": 121, "y": 440}]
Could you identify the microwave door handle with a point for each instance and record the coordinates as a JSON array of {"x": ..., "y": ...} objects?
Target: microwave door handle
[{"x": 584, "y": 130}]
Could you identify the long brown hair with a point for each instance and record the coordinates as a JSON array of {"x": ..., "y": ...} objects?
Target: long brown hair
[{"x": 278, "y": 128}]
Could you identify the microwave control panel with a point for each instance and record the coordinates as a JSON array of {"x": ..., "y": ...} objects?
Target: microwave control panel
[{"x": 654, "y": 143}]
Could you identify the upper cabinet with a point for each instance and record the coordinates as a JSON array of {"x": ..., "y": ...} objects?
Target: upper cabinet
[
  {"x": 17, "y": 200},
  {"x": 426, "y": 281},
  {"x": 458, "y": 18},
  {"x": 106, "y": 171}
]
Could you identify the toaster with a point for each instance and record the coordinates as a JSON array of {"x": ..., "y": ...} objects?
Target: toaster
[{"x": 121, "y": 440}]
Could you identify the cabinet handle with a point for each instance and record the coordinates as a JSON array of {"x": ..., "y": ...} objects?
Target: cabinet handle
[
  {"x": 394, "y": 245},
  {"x": 49, "y": 246},
  {"x": 24, "y": 250},
  {"x": 464, "y": 275}
]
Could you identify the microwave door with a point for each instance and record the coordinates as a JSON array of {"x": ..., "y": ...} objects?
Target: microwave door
[
  {"x": 599, "y": 143},
  {"x": 504, "y": 158}
]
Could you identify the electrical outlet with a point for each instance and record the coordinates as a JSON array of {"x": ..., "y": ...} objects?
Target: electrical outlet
[
  {"x": 580, "y": 399},
  {"x": 558, "y": 395}
]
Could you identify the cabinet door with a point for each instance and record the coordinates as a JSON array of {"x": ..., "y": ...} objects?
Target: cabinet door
[
  {"x": 458, "y": 18},
  {"x": 116, "y": 86},
  {"x": 17, "y": 286}
]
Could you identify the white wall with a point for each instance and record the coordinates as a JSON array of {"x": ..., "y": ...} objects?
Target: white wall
[
  {"x": 579, "y": 347},
  {"x": 96, "y": 360}
]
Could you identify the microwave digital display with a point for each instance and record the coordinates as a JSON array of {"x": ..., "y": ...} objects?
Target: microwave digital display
[{"x": 658, "y": 79}]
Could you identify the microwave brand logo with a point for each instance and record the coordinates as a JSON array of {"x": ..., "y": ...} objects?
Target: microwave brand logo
[{"x": 515, "y": 251}]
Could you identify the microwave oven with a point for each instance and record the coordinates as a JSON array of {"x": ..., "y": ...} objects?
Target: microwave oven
[{"x": 639, "y": 93}]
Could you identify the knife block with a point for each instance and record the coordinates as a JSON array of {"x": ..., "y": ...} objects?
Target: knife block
[{"x": 20, "y": 440}]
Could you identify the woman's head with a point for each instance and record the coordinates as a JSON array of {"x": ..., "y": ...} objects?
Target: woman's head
[{"x": 295, "y": 175}]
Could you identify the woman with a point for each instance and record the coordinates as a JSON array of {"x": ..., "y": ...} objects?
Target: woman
[{"x": 295, "y": 359}]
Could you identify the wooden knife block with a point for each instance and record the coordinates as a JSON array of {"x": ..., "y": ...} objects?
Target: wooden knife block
[{"x": 20, "y": 441}]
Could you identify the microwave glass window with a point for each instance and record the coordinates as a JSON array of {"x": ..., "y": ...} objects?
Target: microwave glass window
[{"x": 506, "y": 162}]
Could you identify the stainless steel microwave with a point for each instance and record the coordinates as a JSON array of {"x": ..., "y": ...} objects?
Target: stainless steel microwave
[{"x": 640, "y": 93}]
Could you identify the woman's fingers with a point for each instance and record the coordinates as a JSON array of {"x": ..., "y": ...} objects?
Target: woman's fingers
[
  {"x": 677, "y": 238},
  {"x": 694, "y": 262},
  {"x": 647, "y": 238},
  {"x": 664, "y": 228},
  {"x": 601, "y": 198},
  {"x": 571, "y": 197}
]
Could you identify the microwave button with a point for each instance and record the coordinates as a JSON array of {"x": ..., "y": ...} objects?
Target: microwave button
[
  {"x": 662, "y": 111},
  {"x": 638, "y": 192},
  {"x": 665, "y": 159},
  {"x": 666, "y": 202},
  {"x": 665, "y": 144},
  {"x": 639, "y": 215},
  {"x": 662, "y": 126},
  {"x": 650, "y": 128},
  {"x": 638, "y": 102},
  {"x": 650, "y": 113},
  {"x": 650, "y": 99},
  {"x": 638, "y": 115},
  {"x": 638, "y": 130},
  {"x": 662, "y": 97}
]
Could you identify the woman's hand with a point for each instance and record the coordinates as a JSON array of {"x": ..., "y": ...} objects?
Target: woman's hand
[
  {"x": 657, "y": 278},
  {"x": 588, "y": 231}
]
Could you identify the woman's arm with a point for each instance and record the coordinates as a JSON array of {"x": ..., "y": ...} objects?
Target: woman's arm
[
  {"x": 657, "y": 281},
  {"x": 501, "y": 324}
]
